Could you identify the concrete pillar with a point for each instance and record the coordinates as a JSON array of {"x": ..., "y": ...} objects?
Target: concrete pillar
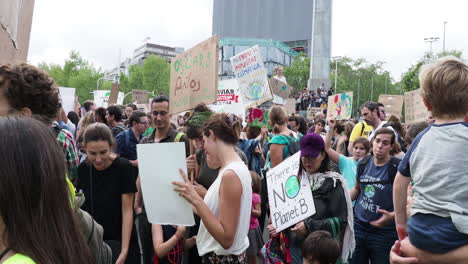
[{"x": 320, "y": 45}]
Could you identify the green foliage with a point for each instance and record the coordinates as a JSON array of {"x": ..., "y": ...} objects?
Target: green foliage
[
  {"x": 77, "y": 73},
  {"x": 298, "y": 73},
  {"x": 366, "y": 80},
  {"x": 410, "y": 81}
]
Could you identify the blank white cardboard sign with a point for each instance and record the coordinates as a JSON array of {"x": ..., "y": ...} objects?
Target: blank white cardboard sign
[{"x": 159, "y": 165}]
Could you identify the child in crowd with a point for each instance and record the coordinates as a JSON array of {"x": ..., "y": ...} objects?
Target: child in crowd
[
  {"x": 436, "y": 162},
  {"x": 169, "y": 243},
  {"x": 320, "y": 248},
  {"x": 255, "y": 234}
]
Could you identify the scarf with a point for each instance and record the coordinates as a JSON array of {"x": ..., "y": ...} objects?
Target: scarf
[{"x": 316, "y": 181}]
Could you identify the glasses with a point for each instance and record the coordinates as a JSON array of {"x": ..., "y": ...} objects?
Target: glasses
[{"x": 162, "y": 113}]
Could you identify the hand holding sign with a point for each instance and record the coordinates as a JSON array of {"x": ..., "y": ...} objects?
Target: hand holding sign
[{"x": 186, "y": 189}]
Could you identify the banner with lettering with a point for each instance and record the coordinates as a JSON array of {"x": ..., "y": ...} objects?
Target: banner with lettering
[
  {"x": 290, "y": 200},
  {"x": 229, "y": 99},
  {"x": 340, "y": 106},
  {"x": 251, "y": 76},
  {"x": 194, "y": 76}
]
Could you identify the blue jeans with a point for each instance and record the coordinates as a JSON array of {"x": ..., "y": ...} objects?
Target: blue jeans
[{"x": 373, "y": 245}]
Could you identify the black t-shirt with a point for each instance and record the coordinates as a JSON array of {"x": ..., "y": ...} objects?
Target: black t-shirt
[{"x": 103, "y": 191}]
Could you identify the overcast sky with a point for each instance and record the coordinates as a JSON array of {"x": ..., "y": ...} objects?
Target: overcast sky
[{"x": 105, "y": 30}]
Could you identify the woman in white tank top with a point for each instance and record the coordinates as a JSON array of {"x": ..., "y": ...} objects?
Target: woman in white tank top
[{"x": 225, "y": 210}]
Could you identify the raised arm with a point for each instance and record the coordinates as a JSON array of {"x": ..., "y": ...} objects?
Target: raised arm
[{"x": 332, "y": 154}]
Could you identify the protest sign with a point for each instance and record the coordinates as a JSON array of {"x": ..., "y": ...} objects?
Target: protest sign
[
  {"x": 393, "y": 104},
  {"x": 280, "y": 88},
  {"x": 415, "y": 110},
  {"x": 251, "y": 76},
  {"x": 101, "y": 98},
  {"x": 67, "y": 95},
  {"x": 340, "y": 106},
  {"x": 290, "y": 200},
  {"x": 290, "y": 106},
  {"x": 257, "y": 117},
  {"x": 158, "y": 166},
  {"x": 194, "y": 76},
  {"x": 139, "y": 96},
  {"x": 229, "y": 100},
  {"x": 312, "y": 111},
  {"x": 114, "y": 93}
]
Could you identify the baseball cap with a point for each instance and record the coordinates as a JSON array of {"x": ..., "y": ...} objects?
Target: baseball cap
[{"x": 312, "y": 145}]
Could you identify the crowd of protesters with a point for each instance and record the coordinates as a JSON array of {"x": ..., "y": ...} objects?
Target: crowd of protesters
[{"x": 384, "y": 191}]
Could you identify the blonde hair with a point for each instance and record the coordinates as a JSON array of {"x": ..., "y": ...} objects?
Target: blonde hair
[
  {"x": 277, "y": 117},
  {"x": 444, "y": 86}
]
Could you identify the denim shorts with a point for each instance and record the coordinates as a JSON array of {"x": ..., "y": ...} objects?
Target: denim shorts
[{"x": 435, "y": 234}]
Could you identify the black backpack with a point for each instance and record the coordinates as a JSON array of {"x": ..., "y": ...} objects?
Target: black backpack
[
  {"x": 392, "y": 169},
  {"x": 293, "y": 145}
]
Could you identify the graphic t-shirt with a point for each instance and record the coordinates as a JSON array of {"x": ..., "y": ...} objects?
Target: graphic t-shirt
[
  {"x": 253, "y": 219},
  {"x": 348, "y": 170},
  {"x": 375, "y": 193}
]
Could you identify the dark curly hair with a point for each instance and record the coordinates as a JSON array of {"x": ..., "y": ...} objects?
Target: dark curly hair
[
  {"x": 225, "y": 127},
  {"x": 24, "y": 85}
]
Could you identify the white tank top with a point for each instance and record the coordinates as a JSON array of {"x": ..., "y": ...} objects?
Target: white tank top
[{"x": 205, "y": 241}]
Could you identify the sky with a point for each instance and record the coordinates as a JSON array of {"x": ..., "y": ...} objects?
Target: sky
[{"x": 107, "y": 31}]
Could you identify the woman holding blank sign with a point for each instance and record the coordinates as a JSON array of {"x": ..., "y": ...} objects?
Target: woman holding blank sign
[{"x": 225, "y": 210}]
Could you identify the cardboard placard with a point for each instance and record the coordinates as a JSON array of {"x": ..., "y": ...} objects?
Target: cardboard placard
[
  {"x": 290, "y": 106},
  {"x": 139, "y": 96},
  {"x": 229, "y": 99},
  {"x": 280, "y": 88},
  {"x": 158, "y": 166},
  {"x": 290, "y": 201},
  {"x": 114, "y": 93},
  {"x": 312, "y": 111},
  {"x": 340, "y": 106},
  {"x": 257, "y": 117},
  {"x": 251, "y": 76},
  {"x": 67, "y": 95},
  {"x": 415, "y": 110},
  {"x": 393, "y": 104},
  {"x": 194, "y": 76}
]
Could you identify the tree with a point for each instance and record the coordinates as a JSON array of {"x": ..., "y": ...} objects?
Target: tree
[
  {"x": 77, "y": 73},
  {"x": 410, "y": 81},
  {"x": 297, "y": 74},
  {"x": 156, "y": 74}
]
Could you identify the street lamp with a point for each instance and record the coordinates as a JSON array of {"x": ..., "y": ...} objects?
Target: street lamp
[
  {"x": 443, "y": 49},
  {"x": 431, "y": 40},
  {"x": 106, "y": 79},
  {"x": 336, "y": 58}
]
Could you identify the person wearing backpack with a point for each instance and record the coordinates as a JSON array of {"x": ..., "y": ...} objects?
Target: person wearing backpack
[{"x": 374, "y": 216}]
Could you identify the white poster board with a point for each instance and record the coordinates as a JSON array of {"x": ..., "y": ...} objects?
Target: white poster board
[
  {"x": 158, "y": 166},
  {"x": 290, "y": 201},
  {"x": 251, "y": 76},
  {"x": 229, "y": 99},
  {"x": 68, "y": 98},
  {"x": 101, "y": 98}
]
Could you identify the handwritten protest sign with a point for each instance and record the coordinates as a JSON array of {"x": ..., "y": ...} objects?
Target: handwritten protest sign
[
  {"x": 67, "y": 95},
  {"x": 340, "y": 106},
  {"x": 290, "y": 201},
  {"x": 158, "y": 166},
  {"x": 229, "y": 99},
  {"x": 101, "y": 98},
  {"x": 257, "y": 117},
  {"x": 312, "y": 111},
  {"x": 415, "y": 110},
  {"x": 280, "y": 88},
  {"x": 139, "y": 96},
  {"x": 251, "y": 75},
  {"x": 393, "y": 104},
  {"x": 194, "y": 76}
]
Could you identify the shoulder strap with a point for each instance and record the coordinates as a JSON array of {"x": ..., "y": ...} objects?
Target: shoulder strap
[
  {"x": 362, "y": 165},
  {"x": 363, "y": 126},
  {"x": 178, "y": 137},
  {"x": 393, "y": 169}
]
